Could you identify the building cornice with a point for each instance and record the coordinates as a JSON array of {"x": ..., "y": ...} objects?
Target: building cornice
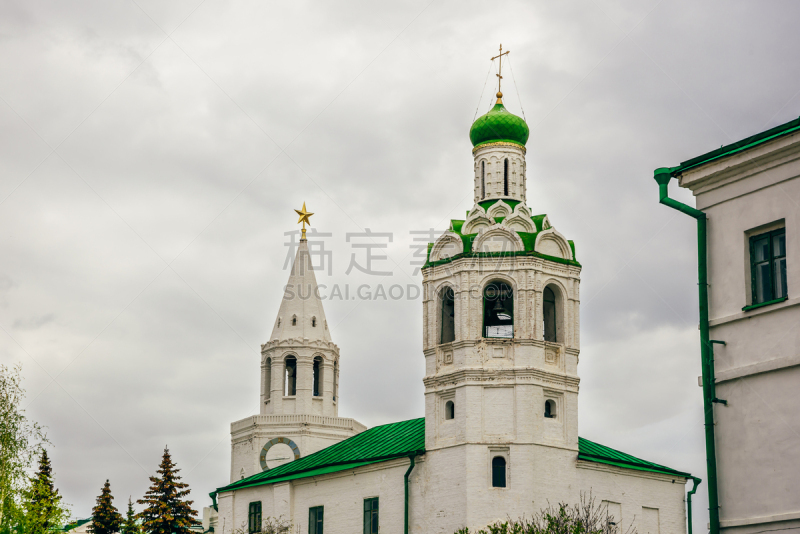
[
  {"x": 503, "y": 376},
  {"x": 499, "y": 144}
]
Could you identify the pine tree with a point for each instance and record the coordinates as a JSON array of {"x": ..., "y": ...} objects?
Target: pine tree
[
  {"x": 41, "y": 501},
  {"x": 129, "y": 524},
  {"x": 106, "y": 519},
  {"x": 165, "y": 510}
]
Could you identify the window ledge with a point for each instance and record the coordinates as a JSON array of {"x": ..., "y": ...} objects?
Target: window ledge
[{"x": 762, "y": 304}]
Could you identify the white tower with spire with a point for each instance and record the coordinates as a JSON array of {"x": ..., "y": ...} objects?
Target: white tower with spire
[{"x": 299, "y": 381}]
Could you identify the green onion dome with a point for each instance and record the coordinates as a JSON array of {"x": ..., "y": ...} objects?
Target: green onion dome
[{"x": 499, "y": 126}]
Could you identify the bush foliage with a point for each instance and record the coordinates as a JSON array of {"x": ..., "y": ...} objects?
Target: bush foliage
[{"x": 583, "y": 518}]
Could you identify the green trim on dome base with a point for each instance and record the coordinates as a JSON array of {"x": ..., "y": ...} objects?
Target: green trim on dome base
[{"x": 499, "y": 126}]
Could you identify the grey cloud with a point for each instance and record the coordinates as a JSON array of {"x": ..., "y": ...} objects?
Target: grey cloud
[{"x": 182, "y": 164}]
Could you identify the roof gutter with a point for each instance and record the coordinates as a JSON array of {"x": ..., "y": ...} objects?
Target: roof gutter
[
  {"x": 663, "y": 176},
  {"x": 410, "y": 468},
  {"x": 689, "y": 494}
]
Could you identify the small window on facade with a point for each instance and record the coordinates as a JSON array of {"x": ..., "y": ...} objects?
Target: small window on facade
[
  {"x": 279, "y": 322},
  {"x": 550, "y": 409},
  {"x": 254, "y": 517},
  {"x": 505, "y": 177},
  {"x": 449, "y": 410},
  {"x": 268, "y": 378},
  {"x": 314, "y": 321},
  {"x": 483, "y": 179},
  {"x": 294, "y": 320},
  {"x": 290, "y": 382},
  {"x": 549, "y": 313},
  {"x": 768, "y": 266},
  {"x": 448, "y": 316},
  {"x": 315, "y": 516},
  {"x": 498, "y": 310},
  {"x": 317, "y": 375},
  {"x": 371, "y": 516},
  {"x": 498, "y": 472}
]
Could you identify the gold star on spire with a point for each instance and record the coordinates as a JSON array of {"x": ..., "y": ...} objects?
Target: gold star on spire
[{"x": 304, "y": 218}]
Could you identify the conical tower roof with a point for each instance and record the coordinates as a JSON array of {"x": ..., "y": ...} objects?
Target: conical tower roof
[{"x": 301, "y": 316}]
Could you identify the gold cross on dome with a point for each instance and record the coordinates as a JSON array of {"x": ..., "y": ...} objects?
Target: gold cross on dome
[
  {"x": 304, "y": 218},
  {"x": 500, "y": 71}
]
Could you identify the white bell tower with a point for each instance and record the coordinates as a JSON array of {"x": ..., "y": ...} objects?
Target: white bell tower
[
  {"x": 501, "y": 330},
  {"x": 299, "y": 380}
]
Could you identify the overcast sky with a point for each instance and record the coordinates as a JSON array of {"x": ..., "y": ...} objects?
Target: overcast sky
[{"x": 152, "y": 153}]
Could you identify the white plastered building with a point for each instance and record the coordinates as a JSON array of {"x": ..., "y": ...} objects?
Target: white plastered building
[
  {"x": 749, "y": 191},
  {"x": 501, "y": 342}
]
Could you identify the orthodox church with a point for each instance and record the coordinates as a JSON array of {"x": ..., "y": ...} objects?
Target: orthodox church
[{"x": 501, "y": 342}]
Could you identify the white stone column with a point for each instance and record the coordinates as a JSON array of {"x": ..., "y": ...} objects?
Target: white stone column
[
  {"x": 276, "y": 398},
  {"x": 304, "y": 385}
]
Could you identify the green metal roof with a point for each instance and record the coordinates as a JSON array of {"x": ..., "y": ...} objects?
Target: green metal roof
[
  {"x": 399, "y": 440},
  {"x": 499, "y": 125},
  {"x": 378, "y": 444},
  {"x": 528, "y": 240},
  {"x": 594, "y": 452},
  {"x": 739, "y": 146}
]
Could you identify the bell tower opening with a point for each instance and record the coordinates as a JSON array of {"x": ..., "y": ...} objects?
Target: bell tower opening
[
  {"x": 550, "y": 315},
  {"x": 317, "y": 376},
  {"x": 448, "y": 333},
  {"x": 290, "y": 382},
  {"x": 498, "y": 311}
]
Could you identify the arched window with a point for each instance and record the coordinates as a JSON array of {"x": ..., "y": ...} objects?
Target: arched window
[
  {"x": 314, "y": 321},
  {"x": 549, "y": 315},
  {"x": 498, "y": 310},
  {"x": 550, "y": 409},
  {"x": 317, "y": 376},
  {"x": 448, "y": 333},
  {"x": 335, "y": 379},
  {"x": 505, "y": 177},
  {"x": 483, "y": 179},
  {"x": 268, "y": 378},
  {"x": 294, "y": 320},
  {"x": 290, "y": 381},
  {"x": 449, "y": 410},
  {"x": 498, "y": 472}
]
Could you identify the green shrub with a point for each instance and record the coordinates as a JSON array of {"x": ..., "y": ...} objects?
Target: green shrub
[{"x": 583, "y": 518}]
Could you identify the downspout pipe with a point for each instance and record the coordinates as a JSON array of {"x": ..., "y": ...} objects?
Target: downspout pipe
[
  {"x": 410, "y": 468},
  {"x": 663, "y": 176},
  {"x": 689, "y": 494}
]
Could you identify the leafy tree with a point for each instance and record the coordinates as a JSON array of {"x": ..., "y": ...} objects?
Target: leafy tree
[
  {"x": 166, "y": 511},
  {"x": 583, "y": 518},
  {"x": 43, "y": 510},
  {"x": 106, "y": 519},
  {"x": 129, "y": 524},
  {"x": 21, "y": 441}
]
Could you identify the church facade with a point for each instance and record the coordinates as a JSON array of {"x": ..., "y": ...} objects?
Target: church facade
[{"x": 501, "y": 342}]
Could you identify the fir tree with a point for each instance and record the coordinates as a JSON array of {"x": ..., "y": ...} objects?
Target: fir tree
[
  {"x": 106, "y": 519},
  {"x": 41, "y": 501},
  {"x": 165, "y": 510},
  {"x": 129, "y": 524}
]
